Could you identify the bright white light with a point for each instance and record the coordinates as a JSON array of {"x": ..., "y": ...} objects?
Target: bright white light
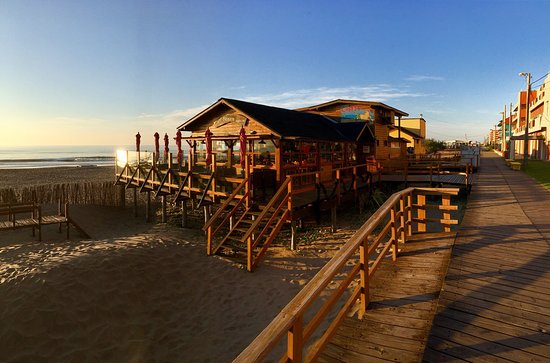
[{"x": 121, "y": 157}]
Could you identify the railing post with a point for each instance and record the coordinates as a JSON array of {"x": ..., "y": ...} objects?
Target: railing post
[
  {"x": 295, "y": 340},
  {"x": 364, "y": 274},
  {"x": 402, "y": 219},
  {"x": 393, "y": 233},
  {"x": 446, "y": 201},
  {"x": 247, "y": 188},
  {"x": 421, "y": 212},
  {"x": 409, "y": 214}
]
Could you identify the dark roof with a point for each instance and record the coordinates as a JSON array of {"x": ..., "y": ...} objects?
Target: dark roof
[
  {"x": 356, "y": 130},
  {"x": 290, "y": 123}
]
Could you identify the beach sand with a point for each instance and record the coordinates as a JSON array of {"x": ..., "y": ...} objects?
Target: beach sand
[
  {"x": 140, "y": 292},
  {"x": 10, "y": 178}
]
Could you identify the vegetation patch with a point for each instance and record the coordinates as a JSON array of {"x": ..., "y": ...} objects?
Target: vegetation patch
[{"x": 540, "y": 171}]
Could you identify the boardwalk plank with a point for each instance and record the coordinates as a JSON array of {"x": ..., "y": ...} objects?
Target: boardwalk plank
[{"x": 496, "y": 298}]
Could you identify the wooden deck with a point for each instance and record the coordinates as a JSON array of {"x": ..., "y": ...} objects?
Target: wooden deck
[{"x": 495, "y": 303}]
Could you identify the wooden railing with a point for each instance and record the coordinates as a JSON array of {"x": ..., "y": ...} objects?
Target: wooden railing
[
  {"x": 272, "y": 216},
  {"x": 347, "y": 275},
  {"x": 214, "y": 225}
]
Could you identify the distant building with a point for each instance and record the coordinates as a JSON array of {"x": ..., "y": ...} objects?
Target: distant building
[
  {"x": 538, "y": 145},
  {"x": 379, "y": 117},
  {"x": 413, "y": 131}
]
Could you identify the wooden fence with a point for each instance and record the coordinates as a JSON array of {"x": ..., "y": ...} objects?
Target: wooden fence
[{"x": 94, "y": 193}]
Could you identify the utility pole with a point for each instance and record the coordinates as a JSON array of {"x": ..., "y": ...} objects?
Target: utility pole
[
  {"x": 526, "y": 136},
  {"x": 510, "y": 133}
]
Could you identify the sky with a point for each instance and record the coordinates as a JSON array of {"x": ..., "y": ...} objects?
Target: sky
[{"x": 97, "y": 72}]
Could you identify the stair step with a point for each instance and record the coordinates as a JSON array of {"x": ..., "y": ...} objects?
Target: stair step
[{"x": 234, "y": 238}]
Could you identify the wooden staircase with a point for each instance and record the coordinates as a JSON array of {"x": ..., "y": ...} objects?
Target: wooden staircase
[{"x": 242, "y": 231}]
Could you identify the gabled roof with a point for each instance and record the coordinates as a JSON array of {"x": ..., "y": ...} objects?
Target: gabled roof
[
  {"x": 284, "y": 122},
  {"x": 355, "y": 102}
]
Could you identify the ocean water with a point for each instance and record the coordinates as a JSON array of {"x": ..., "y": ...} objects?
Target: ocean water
[{"x": 27, "y": 157}]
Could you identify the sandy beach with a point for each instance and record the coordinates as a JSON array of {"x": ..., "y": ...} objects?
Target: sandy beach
[
  {"x": 140, "y": 292},
  {"x": 10, "y": 178}
]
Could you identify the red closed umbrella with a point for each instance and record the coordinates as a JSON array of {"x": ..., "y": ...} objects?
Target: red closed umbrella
[
  {"x": 242, "y": 138},
  {"x": 208, "y": 136},
  {"x": 166, "y": 140},
  {"x": 157, "y": 147},
  {"x": 138, "y": 141},
  {"x": 178, "y": 143}
]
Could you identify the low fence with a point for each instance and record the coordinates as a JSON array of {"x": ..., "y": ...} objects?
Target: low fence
[{"x": 90, "y": 193}]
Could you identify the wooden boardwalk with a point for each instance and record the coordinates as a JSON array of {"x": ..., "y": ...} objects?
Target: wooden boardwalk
[
  {"x": 495, "y": 303},
  {"x": 403, "y": 303}
]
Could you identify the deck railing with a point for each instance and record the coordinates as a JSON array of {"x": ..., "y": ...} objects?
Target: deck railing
[{"x": 319, "y": 305}]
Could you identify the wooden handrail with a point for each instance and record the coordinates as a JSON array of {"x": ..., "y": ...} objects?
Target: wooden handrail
[
  {"x": 282, "y": 189},
  {"x": 290, "y": 319},
  {"x": 226, "y": 203}
]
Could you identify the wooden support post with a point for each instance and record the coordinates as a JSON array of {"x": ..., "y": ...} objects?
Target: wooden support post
[
  {"x": 163, "y": 199},
  {"x": 339, "y": 181},
  {"x": 355, "y": 183},
  {"x": 393, "y": 233},
  {"x": 249, "y": 254},
  {"x": 446, "y": 201},
  {"x": 421, "y": 212},
  {"x": 333, "y": 217},
  {"x": 135, "y": 202},
  {"x": 148, "y": 207},
  {"x": 293, "y": 235},
  {"x": 364, "y": 274},
  {"x": 295, "y": 341},
  {"x": 184, "y": 219}
]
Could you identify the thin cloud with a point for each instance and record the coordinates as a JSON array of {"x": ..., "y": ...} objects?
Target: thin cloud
[
  {"x": 306, "y": 97},
  {"x": 420, "y": 78}
]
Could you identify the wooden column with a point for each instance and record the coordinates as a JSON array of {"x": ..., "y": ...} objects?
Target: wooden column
[{"x": 333, "y": 217}]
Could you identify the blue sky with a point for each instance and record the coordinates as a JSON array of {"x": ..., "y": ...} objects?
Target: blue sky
[{"x": 96, "y": 72}]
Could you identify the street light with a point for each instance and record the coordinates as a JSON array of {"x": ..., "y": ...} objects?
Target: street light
[{"x": 526, "y": 137}]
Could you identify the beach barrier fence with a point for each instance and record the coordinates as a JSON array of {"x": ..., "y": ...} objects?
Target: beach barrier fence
[{"x": 88, "y": 193}]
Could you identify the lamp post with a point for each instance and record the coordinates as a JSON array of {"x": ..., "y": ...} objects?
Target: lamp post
[{"x": 526, "y": 136}]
